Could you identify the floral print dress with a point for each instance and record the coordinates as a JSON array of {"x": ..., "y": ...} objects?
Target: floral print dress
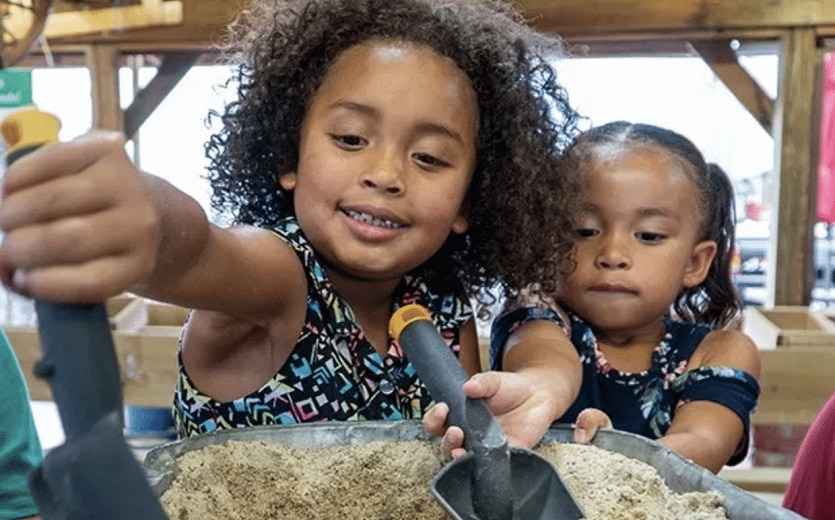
[{"x": 644, "y": 402}]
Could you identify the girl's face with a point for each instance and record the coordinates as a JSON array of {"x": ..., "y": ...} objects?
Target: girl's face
[
  {"x": 638, "y": 241},
  {"x": 387, "y": 154}
]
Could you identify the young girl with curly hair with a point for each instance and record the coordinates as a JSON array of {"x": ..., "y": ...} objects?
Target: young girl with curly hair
[
  {"x": 379, "y": 153},
  {"x": 649, "y": 307}
]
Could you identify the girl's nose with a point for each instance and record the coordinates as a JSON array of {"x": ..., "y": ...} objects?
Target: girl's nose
[
  {"x": 385, "y": 174},
  {"x": 613, "y": 256}
]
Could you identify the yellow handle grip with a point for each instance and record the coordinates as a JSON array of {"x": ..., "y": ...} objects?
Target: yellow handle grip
[
  {"x": 406, "y": 315},
  {"x": 27, "y": 129}
]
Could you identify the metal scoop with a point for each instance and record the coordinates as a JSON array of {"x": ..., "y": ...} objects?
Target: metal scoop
[{"x": 491, "y": 482}]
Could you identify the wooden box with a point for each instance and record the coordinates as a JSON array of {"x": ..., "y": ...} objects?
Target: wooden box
[
  {"x": 788, "y": 326},
  {"x": 164, "y": 319},
  {"x": 126, "y": 313}
]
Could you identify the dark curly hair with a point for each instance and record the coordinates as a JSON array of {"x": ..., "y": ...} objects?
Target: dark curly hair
[
  {"x": 715, "y": 301},
  {"x": 521, "y": 201}
]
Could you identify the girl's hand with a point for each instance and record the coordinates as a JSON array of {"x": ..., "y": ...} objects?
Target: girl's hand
[
  {"x": 524, "y": 412},
  {"x": 79, "y": 226},
  {"x": 588, "y": 422}
]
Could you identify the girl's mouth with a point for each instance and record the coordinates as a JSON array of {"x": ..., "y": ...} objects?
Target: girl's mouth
[{"x": 367, "y": 218}]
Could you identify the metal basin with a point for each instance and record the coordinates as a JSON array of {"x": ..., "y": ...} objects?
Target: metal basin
[{"x": 679, "y": 474}]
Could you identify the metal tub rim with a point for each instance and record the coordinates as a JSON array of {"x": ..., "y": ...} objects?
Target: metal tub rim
[{"x": 680, "y": 474}]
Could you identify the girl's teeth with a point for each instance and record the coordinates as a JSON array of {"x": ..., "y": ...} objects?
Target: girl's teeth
[{"x": 368, "y": 219}]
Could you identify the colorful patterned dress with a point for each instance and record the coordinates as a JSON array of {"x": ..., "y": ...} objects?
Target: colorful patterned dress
[
  {"x": 645, "y": 402},
  {"x": 334, "y": 373}
]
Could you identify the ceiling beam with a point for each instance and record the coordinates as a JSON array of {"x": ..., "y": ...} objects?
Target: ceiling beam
[
  {"x": 203, "y": 25},
  {"x": 723, "y": 61},
  {"x": 170, "y": 72},
  {"x": 569, "y": 17}
]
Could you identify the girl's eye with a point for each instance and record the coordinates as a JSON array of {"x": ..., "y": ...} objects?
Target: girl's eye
[
  {"x": 648, "y": 237},
  {"x": 349, "y": 142},
  {"x": 586, "y": 232},
  {"x": 429, "y": 161}
]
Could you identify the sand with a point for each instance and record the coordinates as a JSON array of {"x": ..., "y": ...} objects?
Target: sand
[{"x": 390, "y": 480}]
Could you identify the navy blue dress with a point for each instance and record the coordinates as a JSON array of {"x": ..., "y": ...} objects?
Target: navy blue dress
[{"x": 645, "y": 402}]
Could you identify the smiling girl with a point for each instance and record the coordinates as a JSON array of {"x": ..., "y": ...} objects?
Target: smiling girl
[{"x": 379, "y": 153}]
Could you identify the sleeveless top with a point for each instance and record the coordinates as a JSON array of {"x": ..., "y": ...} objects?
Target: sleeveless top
[
  {"x": 643, "y": 403},
  {"x": 333, "y": 373}
]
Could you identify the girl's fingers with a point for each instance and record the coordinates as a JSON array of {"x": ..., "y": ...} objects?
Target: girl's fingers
[
  {"x": 57, "y": 159},
  {"x": 56, "y": 198},
  {"x": 588, "y": 422},
  {"x": 75, "y": 240},
  {"x": 452, "y": 444},
  {"x": 90, "y": 282},
  {"x": 503, "y": 391},
  {"x": 434, "y": 420}
]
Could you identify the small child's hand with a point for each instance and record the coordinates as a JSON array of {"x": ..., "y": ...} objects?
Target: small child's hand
[
  {"x": 588, "y": 422},
  {"x": 524, "y": 412},
  {"x": 79, "y": 226}
]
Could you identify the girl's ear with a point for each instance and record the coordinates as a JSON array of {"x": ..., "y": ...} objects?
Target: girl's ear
[
  {"x": 460, "y": 224},
  {"x": 287, "y": 180},
  {"x": 700, "y": 262}
]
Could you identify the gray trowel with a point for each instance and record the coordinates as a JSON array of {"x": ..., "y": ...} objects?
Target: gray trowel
[
  {"x": 492, "y": 481},
  {"x": 93, "y": 475}
]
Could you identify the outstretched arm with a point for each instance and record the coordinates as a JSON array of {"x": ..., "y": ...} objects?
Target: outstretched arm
[
  {"x": 540, "y": 380},
  {"x": 82, "y": 224}
]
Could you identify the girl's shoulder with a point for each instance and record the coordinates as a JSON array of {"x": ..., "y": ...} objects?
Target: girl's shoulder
[{"x": 731, "y": 348}]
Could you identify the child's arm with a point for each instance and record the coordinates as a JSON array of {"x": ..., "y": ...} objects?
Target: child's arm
[
  {"x": 704, "y": 431},
  {"x": 83, "y": 224},
  {"x": 540, "y": 380}
]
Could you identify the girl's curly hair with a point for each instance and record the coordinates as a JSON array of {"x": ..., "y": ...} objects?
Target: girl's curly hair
[{"x": 522, "y": 199}]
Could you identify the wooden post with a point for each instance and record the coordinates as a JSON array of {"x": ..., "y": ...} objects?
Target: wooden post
[
  {"x": 103, "y": 62},
  {"x": 792, "y": 225}
]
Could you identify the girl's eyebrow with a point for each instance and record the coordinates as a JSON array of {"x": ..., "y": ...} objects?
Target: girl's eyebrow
[
  {"x": 422, "y": 128},
  {"x": 657, "y": 212}
]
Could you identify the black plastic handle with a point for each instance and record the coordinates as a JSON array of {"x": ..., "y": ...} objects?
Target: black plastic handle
[
  {"x": 490, "y": 483},
  {"x": 79, "y": 362},
  {"x": 443, "y": 375}
]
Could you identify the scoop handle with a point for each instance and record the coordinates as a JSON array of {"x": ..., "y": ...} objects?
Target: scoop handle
[
  {"x": 439, "y": 369},
  {"x": 443, "y": 375}
]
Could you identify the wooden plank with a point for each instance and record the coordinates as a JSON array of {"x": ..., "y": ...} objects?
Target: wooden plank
[
  {"x": 203, "y": 23},
  {"x": 723, "y": 61},
  {"x": 174, "y": 66},
  {"x": 102, "y": 60},
  {"x": 795, "y": 384},
  {"x": 79, "y": 22},
  {"x": 792, "y": 276},
  {"x": 569, "y": 17},
  {"x": 148, "y": 364},
  {"x": 758, "y": 480}
]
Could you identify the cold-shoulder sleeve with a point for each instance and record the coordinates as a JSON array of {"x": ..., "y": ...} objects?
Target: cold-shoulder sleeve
[
  {"x": 507, "y": 323},
  {"x": 730, "y": 387}
]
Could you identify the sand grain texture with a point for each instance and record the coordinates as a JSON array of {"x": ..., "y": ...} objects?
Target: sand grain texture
[{"x": 390, "y": 481}]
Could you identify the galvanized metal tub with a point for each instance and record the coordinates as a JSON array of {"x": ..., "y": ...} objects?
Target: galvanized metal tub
[{"x": 679, "y": 474}]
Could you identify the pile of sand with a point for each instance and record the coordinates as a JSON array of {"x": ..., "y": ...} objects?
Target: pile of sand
[{"x": 390, "y": 480}]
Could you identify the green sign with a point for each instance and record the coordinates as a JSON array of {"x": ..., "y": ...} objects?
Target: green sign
[{"x": 15, "y": 88}]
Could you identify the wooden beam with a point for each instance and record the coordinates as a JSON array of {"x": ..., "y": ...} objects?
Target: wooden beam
[
  {"x": 170, "y": 72},
  {"x": 203, "y": 24},
  {"x": 722, "y": 60},
  {"x": 622, "y": 16},
  {"x": 79, "y": 22},
  {"x": 102, "y": 60},
  {"x": 791, "y": 279}
]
